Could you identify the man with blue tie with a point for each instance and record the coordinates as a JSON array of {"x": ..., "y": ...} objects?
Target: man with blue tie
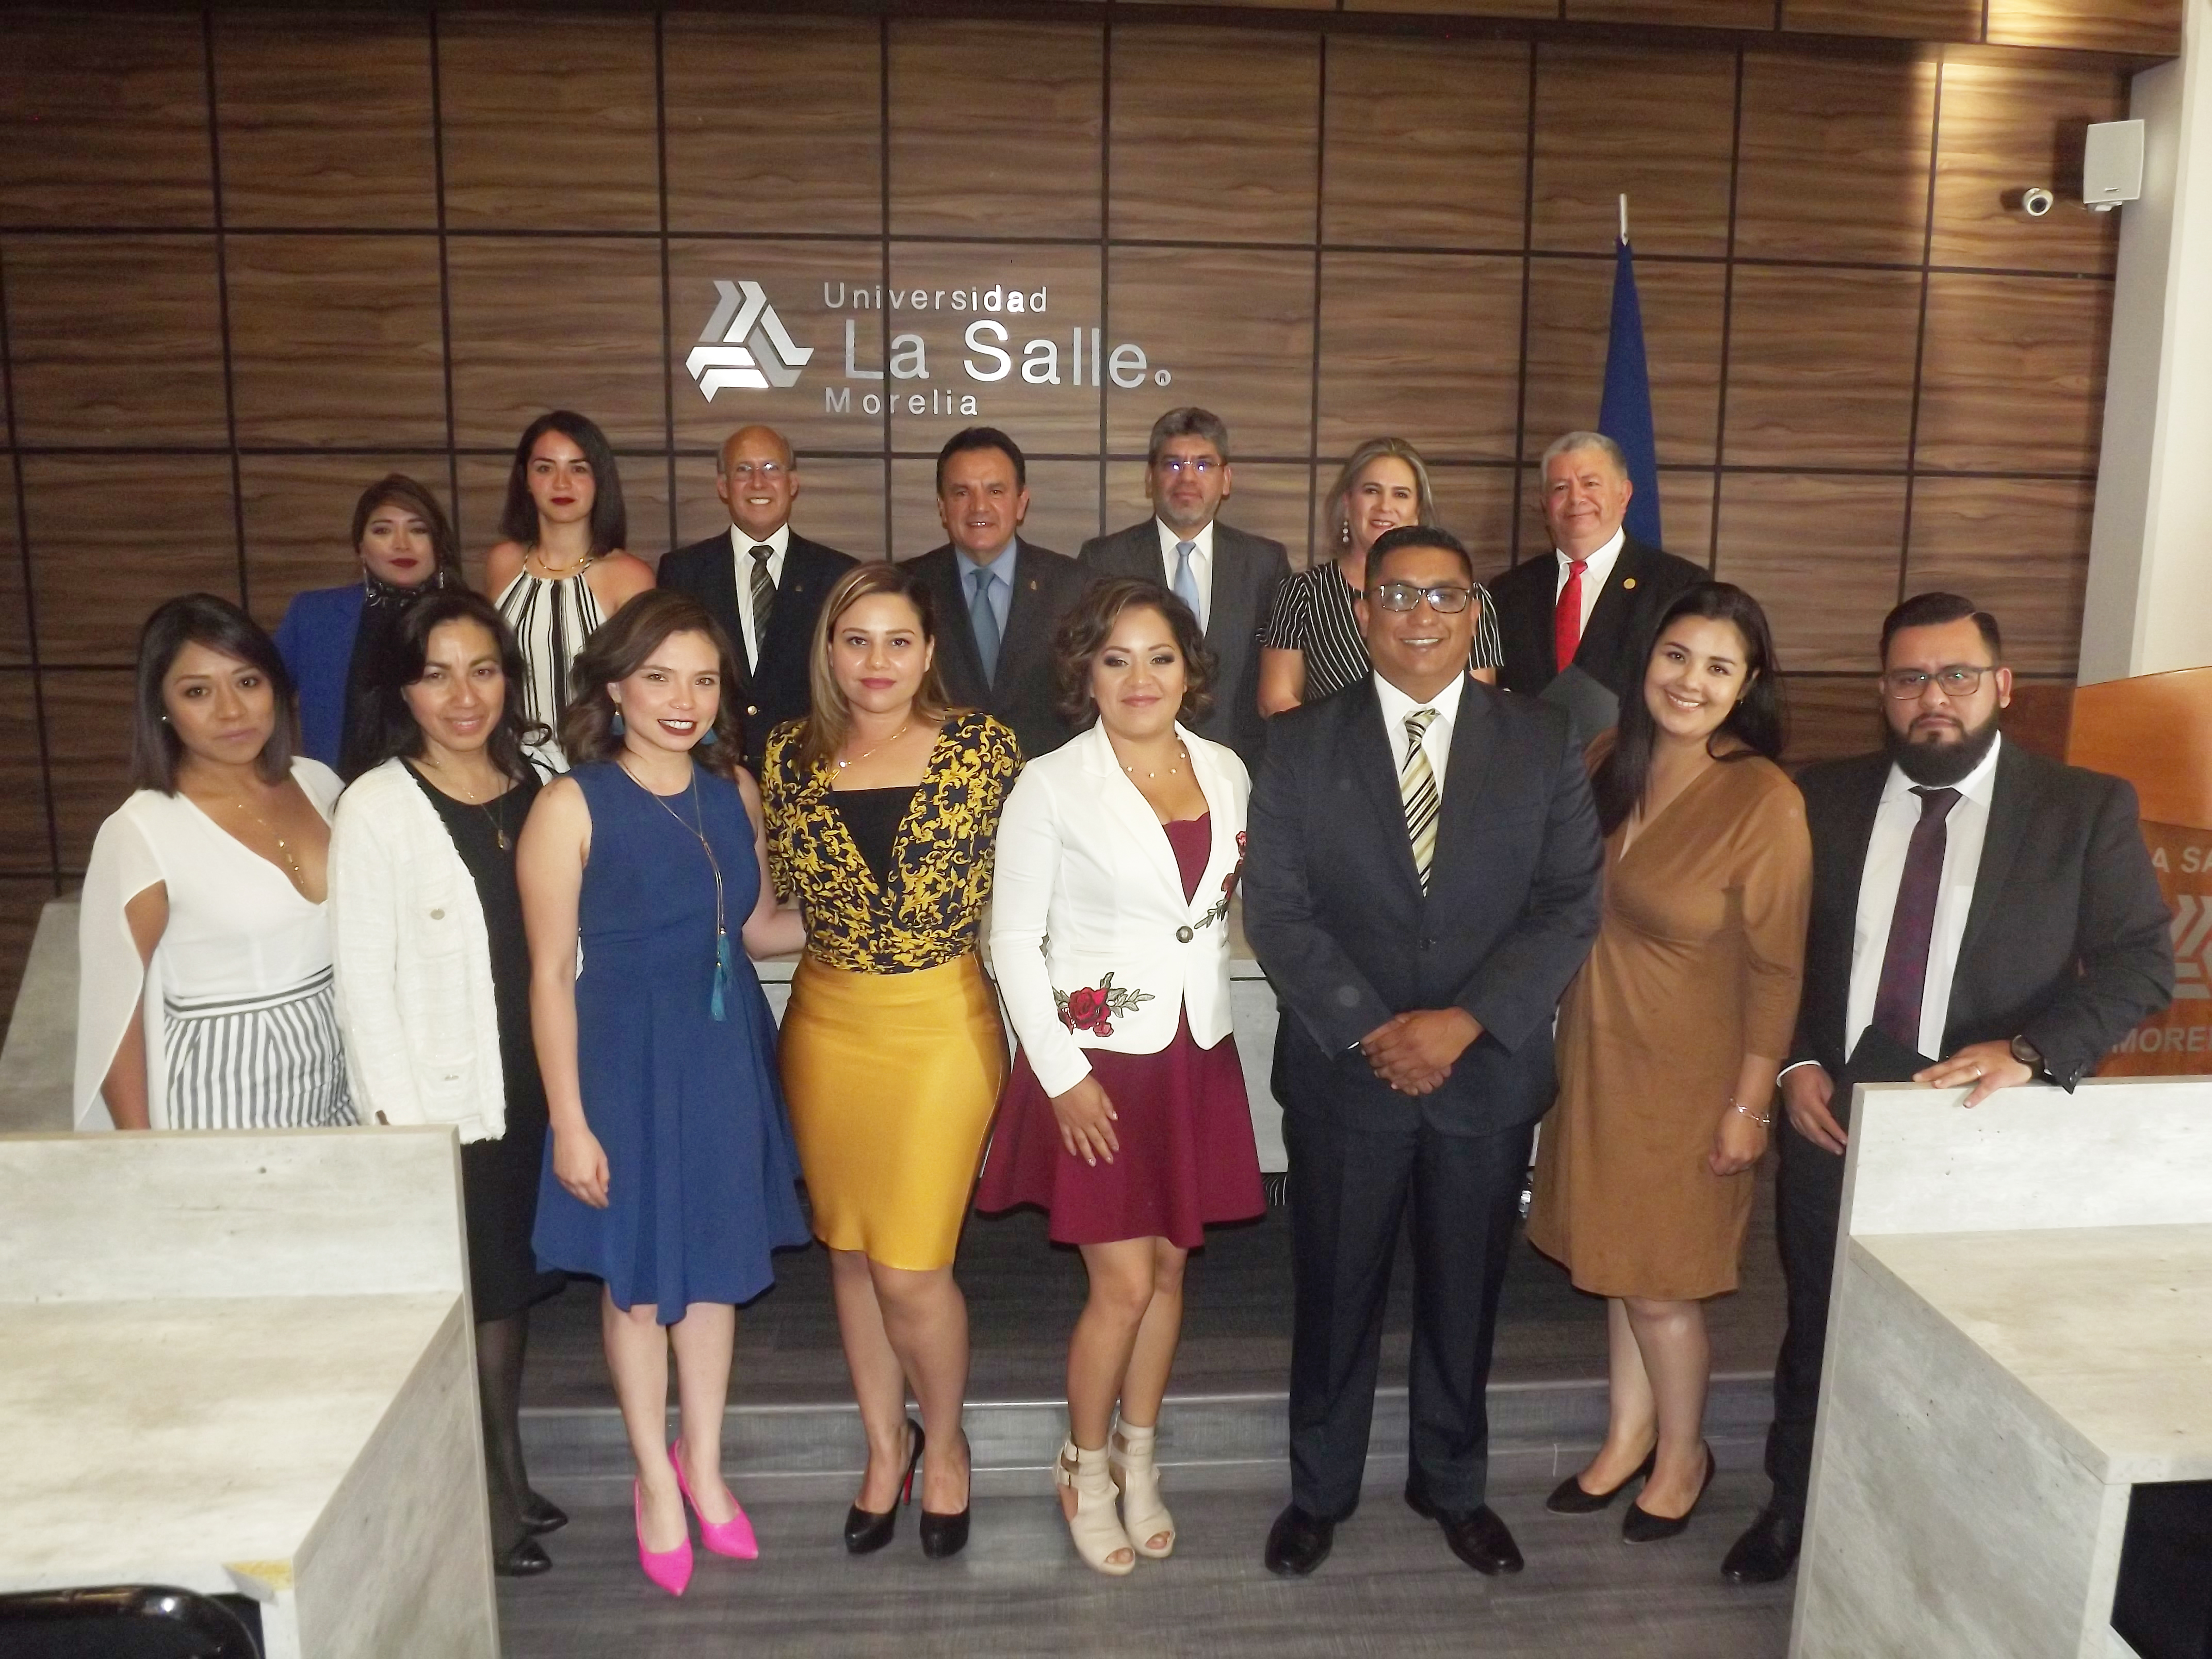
[
  {"x": 1226, "y": 576},
  {"x": 1000, "y": 600}
]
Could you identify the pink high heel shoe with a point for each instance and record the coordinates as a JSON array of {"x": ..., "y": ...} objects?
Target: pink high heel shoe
[
  {"x": 733, "y": 1537},
  {"x": 670, "y": 1569}
]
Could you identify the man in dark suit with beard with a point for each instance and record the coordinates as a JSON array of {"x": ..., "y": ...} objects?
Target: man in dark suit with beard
[
  {"x": 761, "y": 581},
  {"x": 1422, "y": 883},
  {"x": 1226, "y": 577},
  {"x": 1594, "y": 602},
  {"x": 1970, "y": 901},
  {"x": 1000, "y": 599}
]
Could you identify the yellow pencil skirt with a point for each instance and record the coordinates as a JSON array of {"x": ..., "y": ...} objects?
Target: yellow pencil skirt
[{"x": 892, "y": 1080}]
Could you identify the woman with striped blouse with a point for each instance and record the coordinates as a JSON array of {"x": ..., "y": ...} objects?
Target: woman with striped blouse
[
  {"x": 204, "y": 996},
  {"x": 1311, "y": 648}
]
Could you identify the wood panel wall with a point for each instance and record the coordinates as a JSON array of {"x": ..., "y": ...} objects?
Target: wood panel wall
[{"x": 249, "y": 262}]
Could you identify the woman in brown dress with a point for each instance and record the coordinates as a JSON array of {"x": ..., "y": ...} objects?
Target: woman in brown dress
[{"x": 1670, "y": 1038}]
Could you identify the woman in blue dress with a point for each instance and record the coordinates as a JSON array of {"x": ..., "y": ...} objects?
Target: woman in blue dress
[{"x": 670, "y": 1173}]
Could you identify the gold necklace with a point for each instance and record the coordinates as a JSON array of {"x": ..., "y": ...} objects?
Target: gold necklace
[
  {"x": 496, "y": 819},
  {"x": 1173, "y": 771},
  {"x": 842, "y": 763},
  {"x": 298, "y": 875},
  {"x": 553, "y": 575}
]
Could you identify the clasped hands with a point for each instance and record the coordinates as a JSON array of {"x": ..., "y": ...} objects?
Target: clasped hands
[{"x": 1415, "y": 1052}]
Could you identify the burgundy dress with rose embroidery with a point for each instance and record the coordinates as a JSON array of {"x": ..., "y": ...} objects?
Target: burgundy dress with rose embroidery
[{"x": 1181, "y": 1116}]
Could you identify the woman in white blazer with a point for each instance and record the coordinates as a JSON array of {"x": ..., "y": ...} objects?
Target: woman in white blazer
[
  {"x": 1126, "y": 1118},
  {"x": 433, "y": 983}
]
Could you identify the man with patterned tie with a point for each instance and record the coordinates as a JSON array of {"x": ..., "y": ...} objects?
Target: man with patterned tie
[
  {"x": 1421, "y": 883},
  {"x": 763, "y": 582},
  {"x": 1225, "y": 575},
  {"x": 1000, "y": 599},
  {"x": 1596, "y": 601},
  {"x": 1970, "y": 899}
]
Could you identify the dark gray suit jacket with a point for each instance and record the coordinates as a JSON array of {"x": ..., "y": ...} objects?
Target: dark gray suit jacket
[
  {"x": 1335, "y": 912},
  {"x": 1022, "y": 693},
  {"x": 1643, "y": 582},
  {"x": 1246, "y": 570},
  {"x": 2068, "y": 941}
]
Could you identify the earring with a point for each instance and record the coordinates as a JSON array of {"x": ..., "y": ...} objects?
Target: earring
[
  {"x": 616, "y": 726},
  {"x": 1344, "y": 533}
]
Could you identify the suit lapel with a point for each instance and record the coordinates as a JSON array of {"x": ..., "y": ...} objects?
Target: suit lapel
[
  {"x": 954, "y": 631},
  {"x": 1230, "y": 618},
  {"x": 721, "y": 597},
  {"x": 1127, "y": 804},
  {"x": 1020, "y": 639},
  {"x": 1855, "y": 830},
  {"x": 1367, "y": 752},
  {"x": 2012, "y": 803},
  {"x": 1475, "y": 734},
  {"x": 1608, "y": 621}
]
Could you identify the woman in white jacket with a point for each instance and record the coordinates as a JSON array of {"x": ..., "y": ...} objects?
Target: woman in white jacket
[
  {"x": 434, "y": 983},
  {"x": 1125, "y": 1117}
]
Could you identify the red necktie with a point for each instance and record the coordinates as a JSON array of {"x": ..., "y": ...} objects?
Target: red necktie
[
  {"x": 1567, "y": 617},
  {"x": 1912, "y": 923}
]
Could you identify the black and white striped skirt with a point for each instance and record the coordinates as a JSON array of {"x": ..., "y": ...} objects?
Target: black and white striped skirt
[{"x": 267, "y": 1062}]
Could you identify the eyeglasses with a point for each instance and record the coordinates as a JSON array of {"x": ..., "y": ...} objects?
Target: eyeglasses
[
  {"x": 1957, "y": 679},
  {"x": 1198, "y": 466},
  {"x": 766, "y": 471},
  {"x": 1404, "y": 596}
]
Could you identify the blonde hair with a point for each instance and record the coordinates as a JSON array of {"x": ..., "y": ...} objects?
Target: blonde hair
[
  {"x": 830, "y": 720},
  {"x": 1333, "y": 507}
]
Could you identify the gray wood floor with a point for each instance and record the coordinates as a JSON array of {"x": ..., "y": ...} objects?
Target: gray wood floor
[
  {"x": 1023, "y": 1294},
  {"x": 1390, "y": 1588}
]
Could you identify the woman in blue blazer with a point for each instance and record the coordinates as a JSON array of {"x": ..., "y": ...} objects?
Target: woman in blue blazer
[{"x": 333, "y": 639}]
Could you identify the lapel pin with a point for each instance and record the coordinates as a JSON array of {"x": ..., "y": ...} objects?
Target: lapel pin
[
  {"x": 1033, "y": 584},
  {"x": 1627, "y": 583}
]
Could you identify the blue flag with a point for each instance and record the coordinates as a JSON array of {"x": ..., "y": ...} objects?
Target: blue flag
[{"x": 1624, "y": 413}]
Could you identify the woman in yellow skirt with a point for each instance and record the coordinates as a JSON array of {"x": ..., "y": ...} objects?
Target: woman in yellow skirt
[{"x": 882, "y": 806}]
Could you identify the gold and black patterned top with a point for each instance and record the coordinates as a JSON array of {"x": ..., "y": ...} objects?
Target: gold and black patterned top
[{"x": 928, "y": 913}]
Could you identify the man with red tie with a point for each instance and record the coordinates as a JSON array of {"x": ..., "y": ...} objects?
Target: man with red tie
[
  {"x": 1596, "y": 601},
  {"x": 1970, "y": 901}
]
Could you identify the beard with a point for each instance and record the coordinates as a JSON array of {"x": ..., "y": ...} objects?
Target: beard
[{"x": 1938, "y": 765}]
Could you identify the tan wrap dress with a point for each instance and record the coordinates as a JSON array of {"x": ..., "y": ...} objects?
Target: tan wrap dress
[{"x": 1698, "y": 962}]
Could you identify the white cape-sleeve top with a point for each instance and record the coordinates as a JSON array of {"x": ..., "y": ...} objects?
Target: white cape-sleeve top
[{"x": 237, "y": 929}]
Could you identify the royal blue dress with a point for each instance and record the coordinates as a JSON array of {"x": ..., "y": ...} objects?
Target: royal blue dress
[{"x": 700, "y": 1172}]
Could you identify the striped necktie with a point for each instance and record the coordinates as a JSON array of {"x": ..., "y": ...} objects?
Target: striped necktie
[{"x": 1417, "y": 789}]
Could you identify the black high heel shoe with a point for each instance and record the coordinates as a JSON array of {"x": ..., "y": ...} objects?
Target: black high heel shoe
[
  {"x": 1570, "y": 1497},
  {"x": 866, "y": 1530},
  {"x": 944, "y": 1536},
  {"x": 542, "y": 1515},
  {"x": 1640, "y": 1526}
]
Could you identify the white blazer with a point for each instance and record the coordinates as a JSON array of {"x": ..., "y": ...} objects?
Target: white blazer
[
  {"x": 1093, "y": 944},
  {"x": 413, "y": 961}
]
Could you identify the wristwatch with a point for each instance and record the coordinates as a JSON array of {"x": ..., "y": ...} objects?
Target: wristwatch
[{"x": 2027, "y": 1055}]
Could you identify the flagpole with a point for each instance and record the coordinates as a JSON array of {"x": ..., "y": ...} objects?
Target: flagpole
[{"x": 1624, "y": 217}]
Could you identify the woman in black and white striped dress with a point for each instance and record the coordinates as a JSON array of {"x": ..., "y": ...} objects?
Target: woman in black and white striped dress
[
  {"x": 1311, "y": 647},
  {"x": 204, "y": 998}
]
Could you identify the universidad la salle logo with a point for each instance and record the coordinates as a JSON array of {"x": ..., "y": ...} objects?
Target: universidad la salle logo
[{"x": 744, "y": 343}]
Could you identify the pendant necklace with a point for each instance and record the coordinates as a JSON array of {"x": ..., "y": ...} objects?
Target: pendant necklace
[
  {"x": 298, "y": 875},
  {"x": 497, "y": 820},
  {"x": 842, "y": 763},
  {"x": 725, "y": 963}
]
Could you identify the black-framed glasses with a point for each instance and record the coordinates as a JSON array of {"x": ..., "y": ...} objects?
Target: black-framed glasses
[
  {"x": 1953, "y": 679},
  {"x": 1404, "y": 596},
  {"x": 1198, "y": 466}
]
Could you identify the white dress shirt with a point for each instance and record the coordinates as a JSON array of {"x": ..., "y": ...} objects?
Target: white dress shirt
[
  {"x": 741, "y": 549},
  {"x": 1201, "y": 563},
  {"x": 1965, "y": 829},
  {"x": 1436, "y": 742},
  {"x": 1595, "y": 569}
]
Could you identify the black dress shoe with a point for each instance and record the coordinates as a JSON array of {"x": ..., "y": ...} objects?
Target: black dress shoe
[
  {"x": 1477, "y": 1536},
  {"x": 1299, "y": 1542},
  {"x": 525, "y": 1560},
  {"x": 1570, "y": 1497},
  {"x": 542, "y": 1515},
  {"x": 1640, "y": 1526},
  {"x": 944, "y": 1534},
  {"x": 1767, "y": 1549}
]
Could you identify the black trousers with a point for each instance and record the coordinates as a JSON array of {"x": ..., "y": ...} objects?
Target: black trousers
[
  {"x": 1809, "y": 1199},
  {"x": 1348, "y": 1194}
]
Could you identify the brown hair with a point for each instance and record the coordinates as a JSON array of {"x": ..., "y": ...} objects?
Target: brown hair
[
  {"x": 823, "y": 731},
  {"x": 156, "y": 751},
  {"x": 624, "y": 643},
  {"x": 1087, "y": 627}
]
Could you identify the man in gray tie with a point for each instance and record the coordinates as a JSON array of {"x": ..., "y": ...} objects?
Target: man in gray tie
[
  {"x": 1000, "y": 600},
  {"x": 1226, "y": 577}
]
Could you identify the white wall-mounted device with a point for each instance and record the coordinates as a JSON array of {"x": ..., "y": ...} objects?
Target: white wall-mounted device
[{"x": 2112, "y": 164}]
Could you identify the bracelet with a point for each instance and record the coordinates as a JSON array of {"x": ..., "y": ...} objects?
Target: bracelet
[{"x": 1767, "y": 1122}]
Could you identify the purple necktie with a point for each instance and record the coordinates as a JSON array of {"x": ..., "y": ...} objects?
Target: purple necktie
[{"x": 1905, "y": 962}]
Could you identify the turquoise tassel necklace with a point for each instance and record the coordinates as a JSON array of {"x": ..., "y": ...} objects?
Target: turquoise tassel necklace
[{"x": 724, "y": 958}]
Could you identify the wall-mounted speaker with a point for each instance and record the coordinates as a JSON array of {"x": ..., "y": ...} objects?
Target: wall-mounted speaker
[{"x": 2112, "y": 164}]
